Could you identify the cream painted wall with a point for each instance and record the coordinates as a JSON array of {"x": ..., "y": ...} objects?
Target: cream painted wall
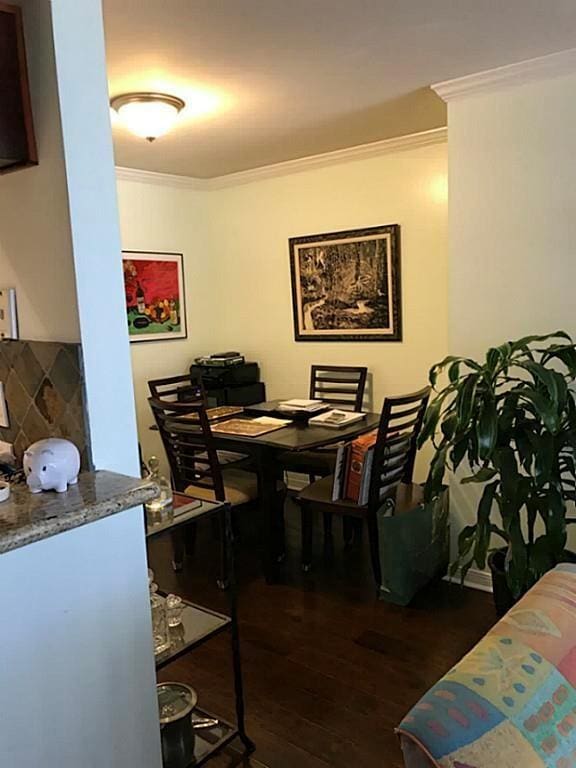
[
  {"x": 512, "y": 220},
  {"x": 157, "y": 217},
  {"x": 249, "y": 227},
  {"x": 35, "y": 243}
]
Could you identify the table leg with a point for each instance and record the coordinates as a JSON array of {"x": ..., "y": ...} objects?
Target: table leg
[{"x": 267, "y": 471}]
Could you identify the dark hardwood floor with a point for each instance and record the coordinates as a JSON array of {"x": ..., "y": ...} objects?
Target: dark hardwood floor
[{"x": 328, "y": 670}]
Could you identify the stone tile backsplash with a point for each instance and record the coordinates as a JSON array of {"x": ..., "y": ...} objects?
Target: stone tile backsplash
[{"x": 44, "y": 390}]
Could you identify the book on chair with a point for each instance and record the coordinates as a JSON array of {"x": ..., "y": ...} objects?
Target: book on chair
[
  {"x": 340, "y": 469},
  {"x": 359, "y": 468}
]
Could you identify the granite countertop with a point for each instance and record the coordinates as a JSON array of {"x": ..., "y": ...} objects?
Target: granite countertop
[{"x": 28, "y": 517}]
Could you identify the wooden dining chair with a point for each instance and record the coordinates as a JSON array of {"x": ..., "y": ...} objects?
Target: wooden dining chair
[
  {"x": 187, "y": 389},
  {"x": 340, "y": 386},
  {"x": 392, "y": 467},
  {"x": 194, "y": 460},
  {"x": 343, "y": 387}
]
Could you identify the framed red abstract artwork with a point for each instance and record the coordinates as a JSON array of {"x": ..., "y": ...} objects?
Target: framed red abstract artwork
[{"x": 154, "y": 287}]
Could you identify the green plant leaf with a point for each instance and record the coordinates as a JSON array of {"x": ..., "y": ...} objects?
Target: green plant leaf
[
  {"x": 458, "y": 452},
  {"x": 527, "y": 340},
  {"x": 482, "y": 476},
  {"x": 448, "y": 426},
  {"x": 505, "y": 463},
  {"x": 553, "y": 511},
  {"x": 454, "y": 371},
  {"x": 465, "y": 399},
  {"x": 437, "y": 369},
  {"x": 504, "y": 352},
  {"x": 472, "y": 448},
  {"x": 524, "y": 447},
  {"x": 542, "y": 375},
  {"x": 541, "y": 559},
  {"x": 483, "y": 530},
  {"x": 509, "y": 412},
  {"x": 517, "y": 572},
  {"x": 498, "y": 532},
  {"x": 544, "y": 457},
  {"x": 542, "y": 407},
  {"x": 430, "y": 422},
  {"x": 545, "y": 377},
  {"x": 487, "y": 429},
  {"x": 438, "y": 467},
  {"x": 434, "y": 481},
  {"x": 466, "y": 540},
  {"x": 492, "y": 359},
  {"x": 566, "y": 354}
]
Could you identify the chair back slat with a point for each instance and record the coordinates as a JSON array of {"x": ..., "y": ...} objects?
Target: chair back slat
[
  {"x": 339, "y": 391},
  {"x": 351, "y": 381},
  {"x": 187, "y": 439},
  {"x": 179, "y": 389},
  {"x": 403, "y": 413},
  {"x": 402, "y": 427},
  {"x": 396, "y": 444}
]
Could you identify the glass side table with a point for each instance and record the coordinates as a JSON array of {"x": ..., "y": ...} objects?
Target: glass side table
[{"x": 199, "y": 623}]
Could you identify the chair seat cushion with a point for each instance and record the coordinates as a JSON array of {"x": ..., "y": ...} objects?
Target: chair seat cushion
[
  {"x": 320, "y": 492},
  {"x": 239, "y": 488},
  {"x": 309, "y": 462}
]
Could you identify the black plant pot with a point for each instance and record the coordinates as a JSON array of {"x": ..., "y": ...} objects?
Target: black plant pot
[{"x": 503, "y": 598}]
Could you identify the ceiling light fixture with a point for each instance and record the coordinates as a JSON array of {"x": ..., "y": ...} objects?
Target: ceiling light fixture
[{"x": 147, "y": 115}]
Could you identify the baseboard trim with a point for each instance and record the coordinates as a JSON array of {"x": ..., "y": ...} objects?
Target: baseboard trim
[{"x": 475, "y": 579}]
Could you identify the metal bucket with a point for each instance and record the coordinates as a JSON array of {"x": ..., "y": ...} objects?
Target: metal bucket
[{"x": 175, "y": 703}]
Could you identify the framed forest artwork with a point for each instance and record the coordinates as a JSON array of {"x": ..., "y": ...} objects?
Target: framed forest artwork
[
  {"x": 154, "y": 288},
  {"x": 346, "y": 285}
]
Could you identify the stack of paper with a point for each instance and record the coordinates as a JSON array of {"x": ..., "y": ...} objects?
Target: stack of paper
[
  {"x": 301, "y": 406},
  {"x": 336, "y": 419}
]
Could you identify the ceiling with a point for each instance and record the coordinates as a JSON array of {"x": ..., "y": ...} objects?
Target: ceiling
[{"x": 273, "y": 80}]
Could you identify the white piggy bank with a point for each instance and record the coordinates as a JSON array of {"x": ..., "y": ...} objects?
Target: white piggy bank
[{"x": 51, "y": 464}]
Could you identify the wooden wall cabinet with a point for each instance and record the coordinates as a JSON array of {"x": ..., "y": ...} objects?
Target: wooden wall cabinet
[{"x": 17, "y": 140}]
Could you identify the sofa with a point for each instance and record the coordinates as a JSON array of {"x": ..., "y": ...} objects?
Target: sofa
[{"x": 511, "y": 702}]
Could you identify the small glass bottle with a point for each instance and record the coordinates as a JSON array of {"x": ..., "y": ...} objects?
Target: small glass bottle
[
  {"x": 159, "y": 509},
  {"x": 174, "y": 610},
  {"x": 159, "y": 624}
]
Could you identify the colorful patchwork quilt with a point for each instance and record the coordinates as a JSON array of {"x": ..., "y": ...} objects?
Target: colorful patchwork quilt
[{"x": 511, "y": 702}]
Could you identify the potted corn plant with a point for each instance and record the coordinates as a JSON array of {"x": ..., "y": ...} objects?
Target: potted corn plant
[{"x": 508, "y": 423}]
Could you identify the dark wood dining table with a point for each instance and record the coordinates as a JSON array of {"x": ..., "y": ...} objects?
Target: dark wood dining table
[{"x": 264, "y": 451}]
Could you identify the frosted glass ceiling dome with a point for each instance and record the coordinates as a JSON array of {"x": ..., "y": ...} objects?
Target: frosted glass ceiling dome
[{"x": 147, "y": 115}]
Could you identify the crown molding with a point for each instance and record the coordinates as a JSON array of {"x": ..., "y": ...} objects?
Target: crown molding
[
  {"x": 544, "y": 67},
  {"x": 360, "y": 152},
  {"x": 161, "y": 179}
]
